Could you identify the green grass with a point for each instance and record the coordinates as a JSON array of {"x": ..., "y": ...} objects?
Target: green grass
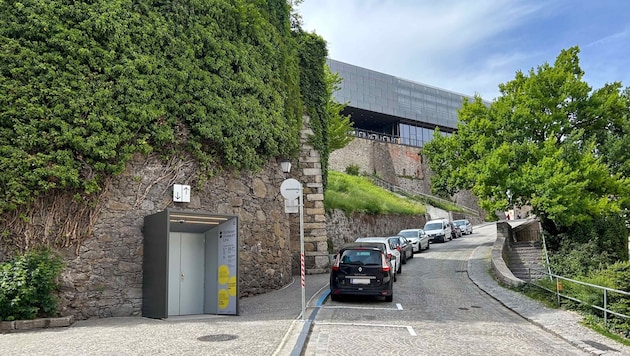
[{"x": 356, "y": 194}]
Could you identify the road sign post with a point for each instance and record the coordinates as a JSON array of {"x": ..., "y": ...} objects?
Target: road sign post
[{"x": 290, "y": 190}]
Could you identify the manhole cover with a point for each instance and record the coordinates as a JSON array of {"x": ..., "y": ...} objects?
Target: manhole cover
[{"x": 218, "y": 337}]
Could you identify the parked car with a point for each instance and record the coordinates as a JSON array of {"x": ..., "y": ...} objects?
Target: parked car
[
  {"x": 455, "y": 231},
  {"x": 419, "y": 240},
  {"x": 391, "y": 243},
  {"x": 438, "y": 230},
  {"x": 464, "y": 225},
  {"x": 360, "y": 270},
  {"x": 381, "y": 245},
  {"x": 406, "y": 248}
]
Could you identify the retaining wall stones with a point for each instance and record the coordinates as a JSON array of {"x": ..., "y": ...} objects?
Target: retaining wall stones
[{"x": 342, "y": 229}]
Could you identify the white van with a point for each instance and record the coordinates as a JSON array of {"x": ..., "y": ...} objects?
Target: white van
[{"x": 438, "y": 230}]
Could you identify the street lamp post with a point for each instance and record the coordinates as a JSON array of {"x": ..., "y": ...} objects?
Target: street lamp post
[{"x": 290, "y": 190}]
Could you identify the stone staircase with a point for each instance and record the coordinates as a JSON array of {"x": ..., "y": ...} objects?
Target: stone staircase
[{"x": 526, "y": 260}]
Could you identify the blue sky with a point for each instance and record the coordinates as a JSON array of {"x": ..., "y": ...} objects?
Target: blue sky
[{"x": 471, "y": 47}]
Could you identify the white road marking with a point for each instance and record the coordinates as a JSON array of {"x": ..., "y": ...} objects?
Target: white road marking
[
  {"x": 368, "y": 308},
  {"x": 409, "y": 328}
]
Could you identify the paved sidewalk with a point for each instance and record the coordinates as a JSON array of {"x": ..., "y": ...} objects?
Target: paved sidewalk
[
  {"x": 268, "y": 324},
  {"x": 565, "y": 324}
]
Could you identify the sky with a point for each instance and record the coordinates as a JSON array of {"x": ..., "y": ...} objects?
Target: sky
[{"x": 470, "y": 47}]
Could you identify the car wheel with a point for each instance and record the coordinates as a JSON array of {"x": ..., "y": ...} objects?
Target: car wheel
[
  {"x": 399, "y": 269},
  {"x": 389, "y": 298},
  {"x": 411, "y": 254},
  {"x": 404, "y": 258},
  {"x": 428, "y": 246},
  {"x": 334, "y": 297},
  {"x": 395, "y": 279}
]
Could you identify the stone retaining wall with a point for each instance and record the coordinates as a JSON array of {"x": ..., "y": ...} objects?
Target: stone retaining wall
[
  {"x": 342, "y": 229},
  {"x": 501, "y": 253},
  {"x": 104, "y": 276}
]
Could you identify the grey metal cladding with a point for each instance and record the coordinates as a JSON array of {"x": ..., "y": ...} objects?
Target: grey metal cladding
[{"x": 421, "y": 103}]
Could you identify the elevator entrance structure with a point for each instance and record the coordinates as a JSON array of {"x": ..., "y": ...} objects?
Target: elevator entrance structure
[{"x": 190, "y": 264}]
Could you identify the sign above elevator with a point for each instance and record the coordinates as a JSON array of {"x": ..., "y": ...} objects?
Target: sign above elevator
[{"x": 181, "y": 193}]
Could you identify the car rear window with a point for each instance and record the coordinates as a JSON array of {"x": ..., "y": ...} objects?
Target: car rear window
[
  {"x": 361, "y": 257},
  {"x": 408, "y": 233},
  {"x": 433, "y": 226}
]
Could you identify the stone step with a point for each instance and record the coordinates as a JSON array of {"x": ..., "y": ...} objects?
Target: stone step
[{"x": 526, "y": 260}]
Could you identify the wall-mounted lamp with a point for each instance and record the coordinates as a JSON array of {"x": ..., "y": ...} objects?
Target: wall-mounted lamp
[{"x": 286, "y": 166}]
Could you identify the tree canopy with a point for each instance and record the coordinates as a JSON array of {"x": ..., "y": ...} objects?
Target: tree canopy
[
  {"x": 553, "y": 142},
  {"x": 85, "y": 84}
]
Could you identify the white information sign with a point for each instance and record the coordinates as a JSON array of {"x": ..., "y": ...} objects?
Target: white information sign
[
  {"x": 291, "y": 206},
  {"x": 228, "y": 260},
  {"x": 181, "y": 193}
]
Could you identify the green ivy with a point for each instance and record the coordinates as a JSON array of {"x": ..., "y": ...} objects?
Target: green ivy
[
  {"x": 28, "y": 284},
  {"x": 313, "y": 54},
  {"x": 84, "y": 85}
]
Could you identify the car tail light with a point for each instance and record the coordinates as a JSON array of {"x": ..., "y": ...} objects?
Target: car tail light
[
  {"x": 335, "y": 265},
  {"x": 399, "y": 248},
  {"x": 389, "y": 256},
  {"x": 385, "y": 265}
]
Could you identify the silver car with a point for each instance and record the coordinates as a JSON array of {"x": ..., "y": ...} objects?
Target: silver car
[
  {"x": 391, "y": 242},
  {"x": 464, "y": 225},
  {"x": 418, "y": 238}
]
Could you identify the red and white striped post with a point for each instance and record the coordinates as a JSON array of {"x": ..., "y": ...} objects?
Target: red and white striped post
[{"x": 301, "y": 207}]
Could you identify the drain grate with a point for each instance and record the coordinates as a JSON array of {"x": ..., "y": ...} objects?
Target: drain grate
[{"x": 218, "y": 337}]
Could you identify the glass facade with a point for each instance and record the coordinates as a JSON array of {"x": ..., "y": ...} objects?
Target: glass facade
[{"x": 407, "y": 112}]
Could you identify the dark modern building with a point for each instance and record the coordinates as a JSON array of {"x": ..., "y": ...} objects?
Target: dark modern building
[{"x": 388, "y": 108}]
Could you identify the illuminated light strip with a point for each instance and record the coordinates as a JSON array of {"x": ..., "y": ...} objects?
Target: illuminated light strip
[
  {"x": 198, "y": 217},
  {"x": 195, "y": 222}
]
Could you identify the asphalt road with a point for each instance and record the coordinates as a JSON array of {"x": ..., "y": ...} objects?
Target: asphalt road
[{"x": 437, "y": 310}]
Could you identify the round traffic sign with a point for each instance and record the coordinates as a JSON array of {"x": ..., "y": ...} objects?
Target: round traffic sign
[{"x": 290, "y": 189}]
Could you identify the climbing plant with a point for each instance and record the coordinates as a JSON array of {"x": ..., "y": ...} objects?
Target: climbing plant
[{"x": 86, "y": 84}]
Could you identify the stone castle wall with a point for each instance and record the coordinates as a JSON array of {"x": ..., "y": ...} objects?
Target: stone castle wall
[
  {"x": 104, "y": 277},
  {"x": 400, "y": 165}
]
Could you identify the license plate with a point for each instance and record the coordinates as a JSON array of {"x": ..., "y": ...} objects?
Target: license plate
[{"x": 359, "y": 281}]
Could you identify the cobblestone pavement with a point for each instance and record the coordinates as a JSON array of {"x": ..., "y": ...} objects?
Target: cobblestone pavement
[
  {"x": 268, "y": 324},
  {"x": 446, "y": 303},
  {"x": 426, "y": 321}
]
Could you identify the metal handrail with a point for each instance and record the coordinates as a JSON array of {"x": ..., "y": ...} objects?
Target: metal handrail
[{"x": 559, "y": 295}]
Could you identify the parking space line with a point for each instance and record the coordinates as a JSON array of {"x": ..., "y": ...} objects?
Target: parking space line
[
  {"x": 369, "y": 308},
  {"x": 409, "y": 328},
  {"x": 399, "y": 306}
]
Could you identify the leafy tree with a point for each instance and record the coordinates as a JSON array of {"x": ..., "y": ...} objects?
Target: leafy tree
[
  {"x": 339, "y": 126},
  {"x": 549, "y": 139}
]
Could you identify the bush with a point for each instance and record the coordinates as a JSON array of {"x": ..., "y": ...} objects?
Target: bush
[
  {"x": 28, "y": 284},
  {"x": 353, "y": 170}
]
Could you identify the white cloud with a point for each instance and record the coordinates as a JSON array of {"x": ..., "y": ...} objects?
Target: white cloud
[{"x": 434, "y": 42}]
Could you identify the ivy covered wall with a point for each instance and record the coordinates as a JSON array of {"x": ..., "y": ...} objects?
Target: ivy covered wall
[{"x": 86, "y": 84}]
